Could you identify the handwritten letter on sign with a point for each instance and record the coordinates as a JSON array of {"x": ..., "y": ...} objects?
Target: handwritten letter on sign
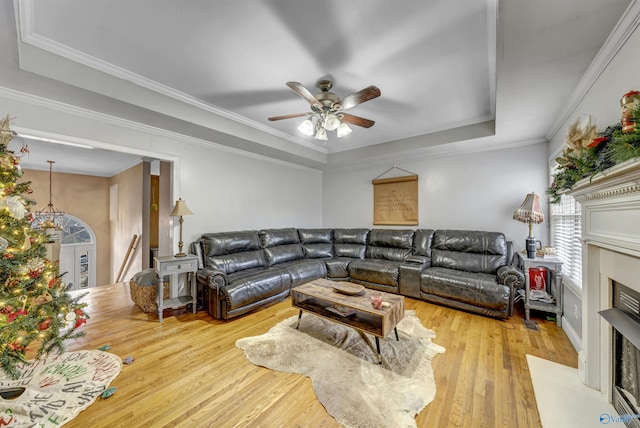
[{"x": 395, "y": 200}]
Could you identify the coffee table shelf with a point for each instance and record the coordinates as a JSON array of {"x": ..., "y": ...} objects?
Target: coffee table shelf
[
  {"x": 359, "y": 320},
  {"x": 318, "y": 296}
]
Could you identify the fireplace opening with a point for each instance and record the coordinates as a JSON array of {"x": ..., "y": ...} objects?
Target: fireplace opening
[{"x": 624, "y": 318}]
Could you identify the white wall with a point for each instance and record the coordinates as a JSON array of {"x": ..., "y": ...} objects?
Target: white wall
[
  {"x": 477, "y": 191},
  {"x": 602, "y": 102}
]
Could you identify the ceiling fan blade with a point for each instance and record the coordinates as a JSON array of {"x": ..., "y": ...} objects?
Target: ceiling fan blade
[
  {"x": 359, "y": 97},
  {"x": 357, "y": 120},
  {"x": 304, "y": 93},
  {"x": 287, "y": 116}
]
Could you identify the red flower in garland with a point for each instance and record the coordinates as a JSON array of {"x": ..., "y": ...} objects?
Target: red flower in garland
[
  {"x": 53, "y": 282},
  {"x": 8, "y": 255},
  {"x": 597, "y": 141},
  {"x": 79, "y": 322},
  {"x": 15, "y": 346},
  {"x": 13, "y": 315}
]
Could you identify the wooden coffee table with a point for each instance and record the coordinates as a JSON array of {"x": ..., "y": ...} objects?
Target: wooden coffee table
[{"x": 319, "y": 298}]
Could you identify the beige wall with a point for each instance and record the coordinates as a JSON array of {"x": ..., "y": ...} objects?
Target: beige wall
[
  {"x": 128, "y": 222},
  {"x": 82, "y": 196}
]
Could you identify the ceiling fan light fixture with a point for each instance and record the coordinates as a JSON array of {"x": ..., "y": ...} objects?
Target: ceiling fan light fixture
[
  {"x": 343, "y": 130},
  {"x": 332, "y": 122},
  {"x": 321, "y": 134},
  {"x": 306, "y": 127}
]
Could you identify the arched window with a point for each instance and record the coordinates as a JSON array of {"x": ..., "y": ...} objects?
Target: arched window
[
  {"x": 77, "y": 253},
  {"x": 76, "y": 231}
]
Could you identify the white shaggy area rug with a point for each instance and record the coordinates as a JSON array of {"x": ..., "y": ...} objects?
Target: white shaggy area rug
[
  {"x": 344, "y": 370},
  {"x": 57, "y": 388}
]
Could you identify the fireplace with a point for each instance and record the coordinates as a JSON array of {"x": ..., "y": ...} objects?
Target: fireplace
[
  {"x": 624, "y": 318},
  {"x": 611, "y": 259}
]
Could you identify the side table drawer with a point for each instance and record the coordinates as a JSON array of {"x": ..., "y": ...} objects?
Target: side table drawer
[{"x": 178, "y": 266}]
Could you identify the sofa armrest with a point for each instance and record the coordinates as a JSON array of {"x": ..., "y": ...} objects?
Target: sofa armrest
[
  {"x": 213, "y": 278},
  {"x": 422, "y": 260},
  {"x": 511, "y": 276},
  {"x": 212, "y": 281},
  {"x": 514, "y": 279},
  {"x": 410, "y": 270}
]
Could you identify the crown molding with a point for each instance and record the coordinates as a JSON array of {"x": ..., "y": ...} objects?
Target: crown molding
[{"x": 625, "y": 27}]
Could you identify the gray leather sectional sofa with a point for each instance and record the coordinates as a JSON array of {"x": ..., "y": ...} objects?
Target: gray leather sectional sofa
[{"x": 245, "y": 270}]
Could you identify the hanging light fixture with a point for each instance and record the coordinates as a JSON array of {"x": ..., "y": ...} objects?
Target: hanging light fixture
[
  {"x": 49, "y": 217},
  {"x": 331, "y": 122},
  {"x": 306, "y": 127},
  {"x": 343, "y": 129},
  {"x": 321, "y": 134},
  {"x": 324, "y": 122}
]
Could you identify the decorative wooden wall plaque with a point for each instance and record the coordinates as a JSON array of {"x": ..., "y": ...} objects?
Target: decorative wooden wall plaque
[{"x": 395, "y": 200}]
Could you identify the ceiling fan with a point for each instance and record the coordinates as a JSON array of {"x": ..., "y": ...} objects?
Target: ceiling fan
[{"x": 327, "y": 110}]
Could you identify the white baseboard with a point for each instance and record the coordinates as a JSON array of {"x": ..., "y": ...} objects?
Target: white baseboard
[{"x": 573, "y": 336}]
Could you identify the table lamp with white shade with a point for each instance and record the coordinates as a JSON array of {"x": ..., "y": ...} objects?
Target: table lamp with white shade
[
  {"x": 181, "y": 209},
  {"x": 530, "y": 212}
]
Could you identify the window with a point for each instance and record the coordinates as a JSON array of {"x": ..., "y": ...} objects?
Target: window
[
  {"x": 566, "y": 233},
  {"x": 76, "y": 231}
]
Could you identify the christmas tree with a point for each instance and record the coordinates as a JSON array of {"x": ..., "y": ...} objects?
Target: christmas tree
[{"x": 35, "y": 309}]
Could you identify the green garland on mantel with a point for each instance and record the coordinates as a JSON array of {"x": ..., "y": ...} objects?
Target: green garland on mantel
[{"x": 610, "y": 147}]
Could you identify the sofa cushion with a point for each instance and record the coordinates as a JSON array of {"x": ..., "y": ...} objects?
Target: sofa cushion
[
  {"x": 376, "y": 271},
  {"x": 354, "y": 251},
  {"x": 317, "y": 251},
  {"x": 397, "y": 238},
  {"x": 216, "y": 244},
  {"x": 477, "y": 289},
  {"x": 246, "y": 288},
  {"x": 316, "y": 243},
  {"x": 315, "y": 236},
  {"x": 232, "y": 251},
  {"x": 350, "y": 242},
  {"x": 338, "y": 267},
  {"x": 274, "y": 237},
  {"x": 235, "y": 262},
  {"x": 422, "y": 242},
  {"x": 389, "y": 244},
  {"x": 283, "y": 253},
  {"x": 350, "y": 236},
  {"x": 470, "y": 251},
  {"x": 302, "y": 271}
]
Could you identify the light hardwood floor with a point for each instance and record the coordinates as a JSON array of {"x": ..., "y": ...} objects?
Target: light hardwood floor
[{"x": 188, "y": 372}]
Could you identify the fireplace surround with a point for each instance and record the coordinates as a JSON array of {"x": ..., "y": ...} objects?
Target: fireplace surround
[{"x": 611, "y": 254}]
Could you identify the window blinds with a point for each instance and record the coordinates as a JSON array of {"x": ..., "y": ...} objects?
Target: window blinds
[{"x": 566, "y": 233}]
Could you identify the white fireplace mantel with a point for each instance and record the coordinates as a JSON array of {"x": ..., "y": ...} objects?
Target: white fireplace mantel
[
  {"x": 611, "y": 206},
  {"x": 611, "y": 252}
]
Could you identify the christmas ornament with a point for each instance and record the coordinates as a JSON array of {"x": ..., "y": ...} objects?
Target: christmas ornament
[
  {"x": 629, "y": 102},
  {"x": 16, "y": 207},
  {"x": 44, "y": 324}
]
